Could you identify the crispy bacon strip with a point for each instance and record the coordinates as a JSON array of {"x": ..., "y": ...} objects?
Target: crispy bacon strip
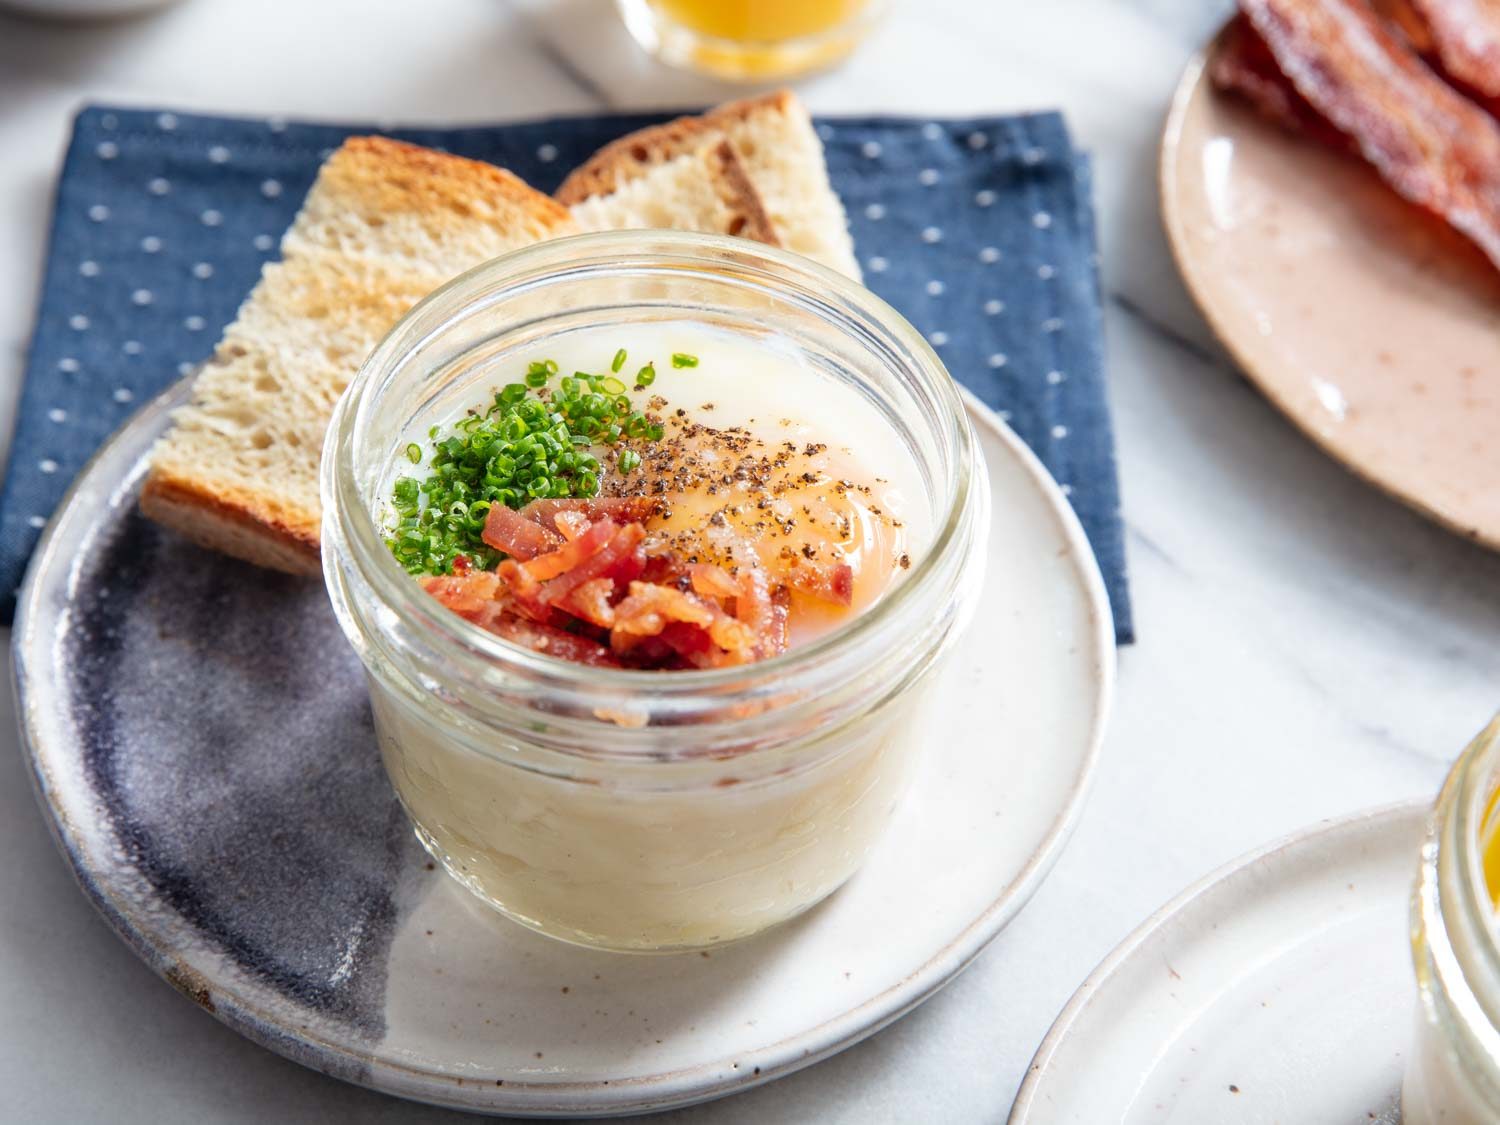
[
  {"x": 1428, "y": 142},
  {"x": 1242, "y": 64},
  {"x": 1465, "y": 36},
  {"x": 520, "y": 538}
]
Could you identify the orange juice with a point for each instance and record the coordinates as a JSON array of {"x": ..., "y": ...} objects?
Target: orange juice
[
  {"x": 1489, "y": 835},
  {"x": 761, "y": 21},
  {"x": 753, "y": 40}
]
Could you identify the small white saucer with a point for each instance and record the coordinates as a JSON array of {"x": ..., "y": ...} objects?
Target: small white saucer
[{"x": 1280, "y": 989}]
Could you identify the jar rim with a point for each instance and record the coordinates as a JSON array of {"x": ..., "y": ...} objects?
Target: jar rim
[
  {"x": 349, "y": 523},
  {"x": 1476, "y": 773}
]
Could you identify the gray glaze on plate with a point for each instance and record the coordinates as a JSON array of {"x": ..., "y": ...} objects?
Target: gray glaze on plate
[{"x": 201, "y": 742}]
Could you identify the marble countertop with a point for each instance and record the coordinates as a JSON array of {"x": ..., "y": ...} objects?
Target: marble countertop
[{"x": 1307, "y": 647}]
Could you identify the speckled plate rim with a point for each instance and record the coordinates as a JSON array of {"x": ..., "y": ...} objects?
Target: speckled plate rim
[
  {"x": 668, "y": 1090},
  {"x": 1206, "y": 296},
  {"x": 1078, "y": 1008}
]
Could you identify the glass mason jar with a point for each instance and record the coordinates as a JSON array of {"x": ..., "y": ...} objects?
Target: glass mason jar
[
  {"x": 642, "y": 810},
  {"x": 1453, "y": 1073},
  {"x": 751, "y": 40}
]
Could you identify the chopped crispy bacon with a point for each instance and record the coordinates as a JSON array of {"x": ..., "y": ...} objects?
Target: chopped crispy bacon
[
  {"x": 1243, "y": 64},
  {"x": 571, "y": 553},
  {"x": 571, "y": 523},
  {"x": 713, "y": 581},
  {"x": 828, "y": 582},
  {"x": 1428, "y": 142},
  {"x": 606, "y": 593},
  {"x": 591, "y": 601},
  {"x": 649, "y": 609},
  {"x": 621, "y": 509},
  {"x": 553, "y": 642},
  {"x": 520, "y": 538},
  {"x": 753, "y": 606},
  {"x": 614, "y": 556},
  {"x": 470, "y": 595},
  {"x": 1465, "y": 36}
]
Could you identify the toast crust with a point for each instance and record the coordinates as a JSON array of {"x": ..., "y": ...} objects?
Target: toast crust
[
  {"x": 380, "y": 228},
  {"x": 625, "y": 159},
  {"x": 231, "y": 521},
  {"x": 381, "y": 177}
]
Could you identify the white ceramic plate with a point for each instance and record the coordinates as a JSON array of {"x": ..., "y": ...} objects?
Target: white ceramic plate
[
  {"x": 200, "y": 740},
  {"x": 1370, "y": 325},
  {"x": 1280, "y": 989}
]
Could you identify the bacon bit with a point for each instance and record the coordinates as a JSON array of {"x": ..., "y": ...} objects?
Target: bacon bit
[
  {"x": 571, "y": 553},
  {"x": 553, "y": 642},
  {"x": 1466, "y": 37},
  {"x": 832, "y": 582},
  {"x": 468, "y": 595},
  {"x": 618, "y": 552},
  {"x": 621, "y": 509},
  {"x": 1433, "y": 146},
  {"x": 509, "y": 531},
  {"x": 590, "y": 601},
  {"x": 571, "y": 523},
  {"x": 649, "y": 609},
  {"x": 713, "y": 581}
]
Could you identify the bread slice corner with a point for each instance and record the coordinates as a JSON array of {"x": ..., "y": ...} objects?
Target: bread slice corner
[
  {"x": 774, "y": 138},
  {"x": 226, "y": 518},
  {"x": 707, "y": 190},
  {"x": 384, "y": 224}
]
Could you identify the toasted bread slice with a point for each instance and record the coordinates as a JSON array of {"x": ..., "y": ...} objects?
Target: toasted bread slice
[
  {"x": 774, "y": 139},
  {"x": 708, "y": 190},
  {"x": 384, "y": 224}
]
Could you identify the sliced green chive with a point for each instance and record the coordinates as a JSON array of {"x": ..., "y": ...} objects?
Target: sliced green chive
[
  {"x": 619, "y": 361},
  {"x": 682, "y": 359},
  {"x": 646, "y": 375},
  {"x": 629, "y": 460},
  {"x": 414, "y": 453}
]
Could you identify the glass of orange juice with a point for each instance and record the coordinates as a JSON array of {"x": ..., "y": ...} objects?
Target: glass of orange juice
[{"x": 750, "y": 40}]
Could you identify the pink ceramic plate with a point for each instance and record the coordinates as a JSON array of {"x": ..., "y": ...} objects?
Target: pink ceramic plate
[{"x": 1373, "y": 327}]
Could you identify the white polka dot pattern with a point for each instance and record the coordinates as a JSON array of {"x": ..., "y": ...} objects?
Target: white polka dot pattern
[{"x": 976, "y": 229}]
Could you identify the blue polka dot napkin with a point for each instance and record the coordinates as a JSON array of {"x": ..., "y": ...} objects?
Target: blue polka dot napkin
[{"x": 980, "y": 231}]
